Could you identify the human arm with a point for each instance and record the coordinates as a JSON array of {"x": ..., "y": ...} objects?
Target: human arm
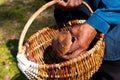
[{"x": 107, "y": 15}]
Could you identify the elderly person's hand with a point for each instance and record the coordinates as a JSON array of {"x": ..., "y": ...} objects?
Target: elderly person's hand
[
  {"x": 66, "y": 5},
  {"x": 83, "y": 35}
]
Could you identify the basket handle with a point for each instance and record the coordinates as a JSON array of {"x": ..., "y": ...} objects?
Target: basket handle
[{"x": 32, "y": 18}]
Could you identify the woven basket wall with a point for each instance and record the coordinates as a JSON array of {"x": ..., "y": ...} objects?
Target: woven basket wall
[{"x": 39, "y": 50}]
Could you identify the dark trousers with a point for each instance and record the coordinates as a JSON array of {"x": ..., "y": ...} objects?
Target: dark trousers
[{"x": 109, "y": 70}]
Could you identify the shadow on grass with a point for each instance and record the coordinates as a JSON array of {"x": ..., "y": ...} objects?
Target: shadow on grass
[
  {"x": 13, "y": 47},
  {"x": 19, "y": 76}
]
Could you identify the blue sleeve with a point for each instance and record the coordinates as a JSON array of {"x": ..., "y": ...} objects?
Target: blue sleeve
[{"x": 107, "y": 14}]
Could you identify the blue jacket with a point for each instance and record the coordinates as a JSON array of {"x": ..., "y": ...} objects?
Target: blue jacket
[{"x": 106, "y": 19}]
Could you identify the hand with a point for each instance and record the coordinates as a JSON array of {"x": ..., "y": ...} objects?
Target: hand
[
  {"x": 67, "y": 5},
  {"x": 83, "y": 35}
]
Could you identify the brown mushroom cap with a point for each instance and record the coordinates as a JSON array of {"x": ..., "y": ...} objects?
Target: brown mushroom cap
[{"x": 62, "y": 42}]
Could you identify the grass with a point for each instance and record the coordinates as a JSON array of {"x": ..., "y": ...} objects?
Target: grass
[
  {"x": 13, "y": 16},
  {"x": 8, "y": 63},
  {"x": 15, "y": 13}
]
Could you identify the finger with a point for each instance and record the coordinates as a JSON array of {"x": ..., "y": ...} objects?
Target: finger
[
  {"x": 102, "y": 35},
  {"x": 74, "y": 32},
  {"x": 74, "y": 54},
  {"x": 72, "y": 4},
  {"x": 77, "y": 3},
  {"x": 74, "y": 46},
  {"x": 62, "y": 4},
  {"x": 80, "y": 2}
]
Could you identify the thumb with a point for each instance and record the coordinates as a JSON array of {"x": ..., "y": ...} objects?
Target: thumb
[
  {"x": 74, "y": 54},
  {"x": 74, "y": 46},
  {"x": 62, "y": 3}
]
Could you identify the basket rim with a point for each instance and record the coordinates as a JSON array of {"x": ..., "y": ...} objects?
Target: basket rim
[{"x": 73, "y": 60}]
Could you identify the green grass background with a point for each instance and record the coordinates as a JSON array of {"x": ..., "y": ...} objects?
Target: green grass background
[{"x": 13, "y": 16}]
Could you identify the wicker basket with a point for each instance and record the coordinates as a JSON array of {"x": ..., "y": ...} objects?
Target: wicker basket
[{"x": 37, "y": 60}]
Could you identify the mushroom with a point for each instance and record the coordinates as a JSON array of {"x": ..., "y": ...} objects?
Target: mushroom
[{"x": 62, "y": 42}]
